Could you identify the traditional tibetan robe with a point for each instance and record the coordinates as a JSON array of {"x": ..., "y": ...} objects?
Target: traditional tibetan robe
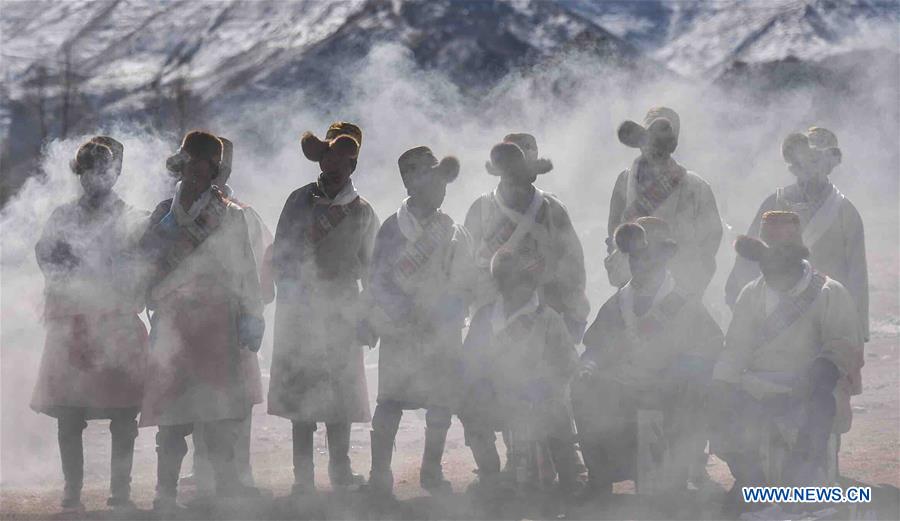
[
  {"x": 659, "y": 360},
  {"x": 646, "y": 360},
  {"x": 420, "y": 278},
  {"x": 685, "y": 201},
  {"x": 260, "y": 241},
  {"x": 774, "y": 338},
  {"x": 96, "y": 344},
  {"x": 674, "y": 337},
  {"x": 206, "y": 285},
  {"x": 321, "y": 256},
  {"x": 544, "y": 228},
  {"x": 833, "y": 231},
  {"x": 517, "y": 370}
]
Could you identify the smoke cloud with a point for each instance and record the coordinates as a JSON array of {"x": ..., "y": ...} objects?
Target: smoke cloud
[{"x": 573, "y": 107}]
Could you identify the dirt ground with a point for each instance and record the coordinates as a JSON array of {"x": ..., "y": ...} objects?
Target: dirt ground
[{"x": 870, "y": 453}]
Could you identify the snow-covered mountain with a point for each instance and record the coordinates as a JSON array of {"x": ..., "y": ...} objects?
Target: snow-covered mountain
[
  {"x": 66, "y": 64},
  {"x": 703, "y": 38}
]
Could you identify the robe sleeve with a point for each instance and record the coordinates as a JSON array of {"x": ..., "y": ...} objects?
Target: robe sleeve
[
  {"x": 616, "y": 208},
  {"x": 390, "y": 304},
  {"x": 739, "y": 340},
  {"x": 841, "y": 335},
  {"x": 560, "y": 353},
  {"x": 285, "y": 267},
  {"x": 568, "y": 284},
  {"x": 745, "y": 270},
  {"x": 248, "y": 276},
  {"x": 709, "y": 234},
  {"x": 367, "y": 246},
  {"x": 473, "y": 223},
  {"x": 260, "y": 241},
  {"x": 857, "y": 282},
  {"x": 48, "y": 251}
]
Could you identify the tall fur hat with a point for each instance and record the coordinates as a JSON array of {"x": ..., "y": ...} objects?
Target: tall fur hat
[
  {"x": 197, "y": 144},
  {"x": 117, "y": 149},
  {"x": 645, "y": 232},
  {"x": 659, "y": 123},
  {"x": 341, "y": 137},
  {"x": 815, "y": 141},
  {"x": 509, "y": 158},
  {"x": 517, "y": 262},
  {"x": 225, "y": 165},
  {"x": 779, "y": 232},
  {"x": 421, "y": 161},
  {"x": 528, "y": 144},
  {"x": 91, "y": 155}
]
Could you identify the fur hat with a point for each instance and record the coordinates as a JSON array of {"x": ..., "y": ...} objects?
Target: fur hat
[
  {"x": 420, "y": 161},
  {"x": 779, "y": 232},
  {"x": 509, "y": 158},
  {"x": 815, "y": 141},
  {"x": 659, "y": 123},
  {"x": 645, "y": 232},
  {"x": 518, "y": 262},
  {"x": 117, "y": 149},
  {"x": 342, "y": 137},
  {"x": 197, "y": 144},
  {"x": 529, "y": 147},
  {"x": 225, "y": 164},
  {"x": 91, "y": 155}
]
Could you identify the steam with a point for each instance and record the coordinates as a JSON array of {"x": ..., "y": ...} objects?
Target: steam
[{"x": 573, "y": 107}]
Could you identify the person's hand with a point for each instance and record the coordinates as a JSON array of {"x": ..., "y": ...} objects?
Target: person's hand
[
  {"x": 366, "y": 334},
  {"x": 62, "y": 255},
  {"x": 250, "y": 331}
]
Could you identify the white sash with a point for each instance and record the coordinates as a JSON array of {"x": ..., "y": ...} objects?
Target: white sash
[
  {"x": 626, "y": 304},
  {"x": 826, "y": 214},
  {"x": 524, "y": 221}
]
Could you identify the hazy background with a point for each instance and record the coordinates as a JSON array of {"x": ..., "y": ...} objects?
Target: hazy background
[{"x": 456, "y": 76}]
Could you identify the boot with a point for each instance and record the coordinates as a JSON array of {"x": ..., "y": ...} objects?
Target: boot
[
  {"x": 170, "y": 451},
  {"x": 339, "y": 470},
  {"x": 381, "y": 478},
  {"x": 123, "y": 432},
  {"x": 71, "y": 453},
  {"x": 487, "y": 459},
  {"x": 568, "y": 466},
  {"x": 599, "y": 484},
  {"x": 220, "y": 437},
  {"x": 431, "y": 475},
  {"x": 304, "y": 471}
]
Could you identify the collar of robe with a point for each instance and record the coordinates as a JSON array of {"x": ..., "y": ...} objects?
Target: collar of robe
[
  {"x": 409, "y": 224},
  {"x": 626, "y": 300},
  {"x": 346, "y": 195},
  {"x": 499, "y": 320},
  {"x": 193, "y": 212},
  {"x": 774, "y": 296}
]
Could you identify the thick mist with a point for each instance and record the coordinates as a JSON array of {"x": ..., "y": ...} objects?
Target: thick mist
[{"x": 572, "y": 106}]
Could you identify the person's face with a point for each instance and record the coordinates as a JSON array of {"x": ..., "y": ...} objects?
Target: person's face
[
  {"x": 809, "y": 166},
  {"x": 661, "y": 142},
  {"x": 98, "y": 181},
  {"x": 780, "y": 271},
  {"x": 336, "y": 169},
  {"x": 647, "y": 263},
  {"x": 428, "y": 192},
  {"x": 515, "y": 287},
  {"x": 198, "y": 174}
]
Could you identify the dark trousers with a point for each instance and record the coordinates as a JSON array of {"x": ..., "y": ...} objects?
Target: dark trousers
[
  {"x": 338, "y": 434},
  {"x": 171, "y": 447},
  {"x": 71, "y": 422},
  {"x": 386, "y": 421}
]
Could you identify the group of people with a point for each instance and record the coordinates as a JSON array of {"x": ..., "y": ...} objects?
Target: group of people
[{"x": 481, "y": 320}]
